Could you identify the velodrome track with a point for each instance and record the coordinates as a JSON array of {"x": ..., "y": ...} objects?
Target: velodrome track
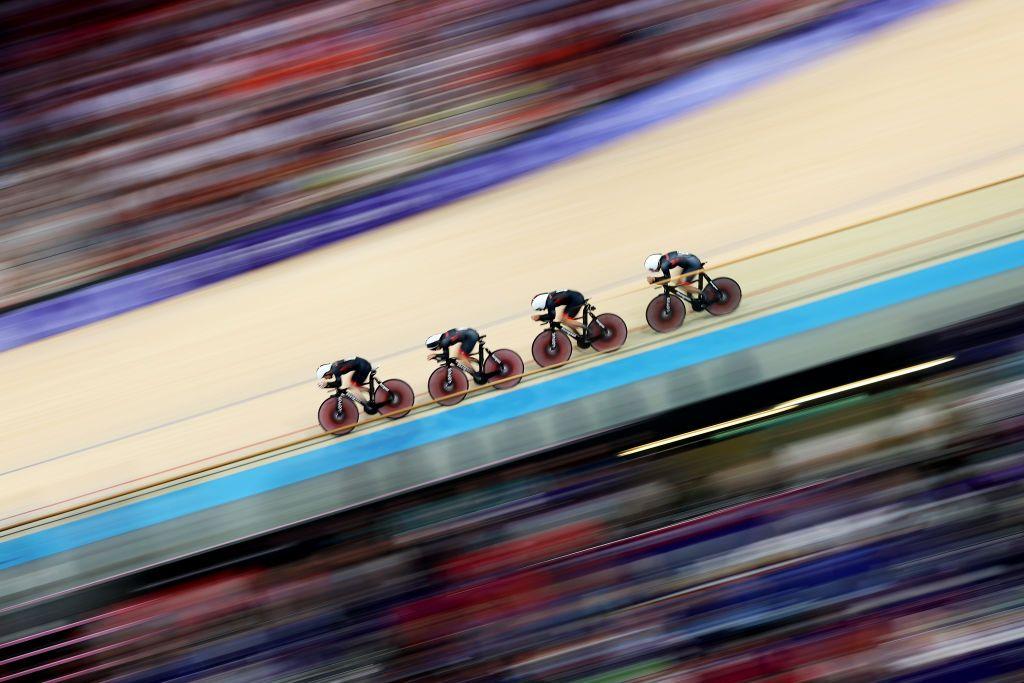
[{"x": 109, "y": 407}]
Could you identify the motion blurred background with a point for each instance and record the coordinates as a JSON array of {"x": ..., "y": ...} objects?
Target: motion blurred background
[
  {"x": 202, "y": 200},
  {"x": 137, "y": 131}
]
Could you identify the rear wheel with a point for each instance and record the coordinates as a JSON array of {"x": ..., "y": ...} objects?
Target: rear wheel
[
  {"x": 441, "y": 390},
  {"x": 394, "y": 398},
  {"x": 335, "y": 421},
  {"x": 666, "y": 312},
  {"x": 607, "y": 332},
  {"x": 509, "y": 364},
  {"x": 551, "y": 348},
  {"x": 726, "y": 299}
]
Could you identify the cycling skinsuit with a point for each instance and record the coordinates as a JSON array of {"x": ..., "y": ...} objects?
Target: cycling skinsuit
[
  {"x": 673, "y": 259},
  {"x": 571, "y": 299},
  {"x": 466, "y": 336},
  {"x": 359, "y": 367}
]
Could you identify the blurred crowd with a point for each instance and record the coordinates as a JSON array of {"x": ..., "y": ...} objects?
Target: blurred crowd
[
  {"x": 873, "y": 540},
  {"x": 136, "y": 131}
]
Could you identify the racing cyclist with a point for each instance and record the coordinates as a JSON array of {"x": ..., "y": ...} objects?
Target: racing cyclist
[
  {"x": 329, "y": 375},
  {"x": 465, "y": 337},
  {"x": 569, "y": 300},
  {"x": 659, "y": 267}
]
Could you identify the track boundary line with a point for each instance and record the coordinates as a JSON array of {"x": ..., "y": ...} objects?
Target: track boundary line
[{"x": 25, "y": 525}]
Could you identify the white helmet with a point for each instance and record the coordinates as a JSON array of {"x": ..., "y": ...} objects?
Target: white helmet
[
  {"x": 433, "y": 341},
  {"x": 321, "y": 375},
  {"x": 539, "y": 302},
  {"x": 653, "y": 262}
]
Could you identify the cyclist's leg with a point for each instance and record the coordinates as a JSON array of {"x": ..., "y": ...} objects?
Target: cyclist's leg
[
  {"x": 688, "y": 287},
  {"x": 570, "y": 314},
  {"x": 689, "y": 264},
  {"x": 467, "y": 347},
  {"x": 357, "y": 382}
]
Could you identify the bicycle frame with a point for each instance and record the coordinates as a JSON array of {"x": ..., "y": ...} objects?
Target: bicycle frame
[
  {"x": 588, "y": 317},
  {"x": 697, "y": 302},
  {"x": 369, "y": 406},
  {"x": 480, "y": 377}
]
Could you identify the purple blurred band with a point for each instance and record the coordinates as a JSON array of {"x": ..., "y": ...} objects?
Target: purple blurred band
[{"x": 721, "y": 78}]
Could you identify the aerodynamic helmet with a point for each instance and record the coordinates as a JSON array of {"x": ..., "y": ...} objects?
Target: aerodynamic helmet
[
  {"x": 433, "y": 341},
  {"x": 321, "y": 375},
  {"x": 539, "y": 302},
  {"x": 653, "y": 262}
]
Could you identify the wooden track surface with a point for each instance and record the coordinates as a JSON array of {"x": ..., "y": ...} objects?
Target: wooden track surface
[{"x": 926, "y": 108}]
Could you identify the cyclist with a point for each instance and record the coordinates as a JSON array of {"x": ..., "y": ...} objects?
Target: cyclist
[
  {"x": 569, "y": 300},
  {"x": 465, "y": 337},
  {"x": 659, "y": 267},
  {"x": 329, "y": 375}
]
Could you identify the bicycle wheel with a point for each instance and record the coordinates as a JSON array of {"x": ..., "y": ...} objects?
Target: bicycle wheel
[
  {"x": 395, "y": 400},
  {"x": 439, "y": 386},
  {"x": 551, "y": 348},
  {"x": 607, "y": 332},
  {"x": 509, "y": 363},
  {"x": 338, "y": 423},
  {"x": 666, "y": 313},
  {"x": 726, "y": 300}
]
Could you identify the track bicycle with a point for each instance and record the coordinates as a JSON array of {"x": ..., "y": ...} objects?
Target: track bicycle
[
  {"x": 718, "y": 296},
  {"x": 392, "y": 398},
  {"x": 604, "y": 332},
  {"x": 448, "y": 383}
]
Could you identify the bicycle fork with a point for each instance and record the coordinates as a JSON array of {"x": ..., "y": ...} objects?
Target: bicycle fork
[
  {"x": 554, "y": 336},
  {"x": 355, "y": 399},
  {"x": 458, "y": 364},
  {"x": 668, "y": 301}
]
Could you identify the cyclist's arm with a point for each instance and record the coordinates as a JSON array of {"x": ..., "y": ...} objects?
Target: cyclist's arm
[
  {"x": 337, "y": 371},
  {"x": 444, "y": 345},
  {"x": 551, "y": 307}
]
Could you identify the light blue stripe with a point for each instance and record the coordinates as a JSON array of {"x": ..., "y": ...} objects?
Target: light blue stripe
[{"x": 531, "y": 398}]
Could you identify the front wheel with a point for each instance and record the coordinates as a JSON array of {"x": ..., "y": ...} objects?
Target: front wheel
[
  {"x": 444, "y": 392},
  {"x": 551, "y": 347},
  {"x": 394, "y": 398},
  {"x": 666, "y": 312},
  {"x": 607, "y": 332},
  {"x": 507, "y": 363},
  {"x": 726, "y": 299},
  {"x": 335, "y": 421}
]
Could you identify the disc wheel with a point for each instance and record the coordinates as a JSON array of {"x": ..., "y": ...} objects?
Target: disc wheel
[
  {"x": 394, "y": 398},
  {"x": 666, "y": 313},
  {"x": 338, "y": 423},
  {"x": 726, "y": 300},
  {"x": 441, "y": 390},
  {"x": 509, "y": 363},
  {"x": 551, "y": 348},
  {"x": 607, "y": 332}
]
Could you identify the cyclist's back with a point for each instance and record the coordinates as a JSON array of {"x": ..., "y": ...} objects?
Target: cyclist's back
[
  {"x": 664, "y": 263},
  {"x": 465, "y": 337}
]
